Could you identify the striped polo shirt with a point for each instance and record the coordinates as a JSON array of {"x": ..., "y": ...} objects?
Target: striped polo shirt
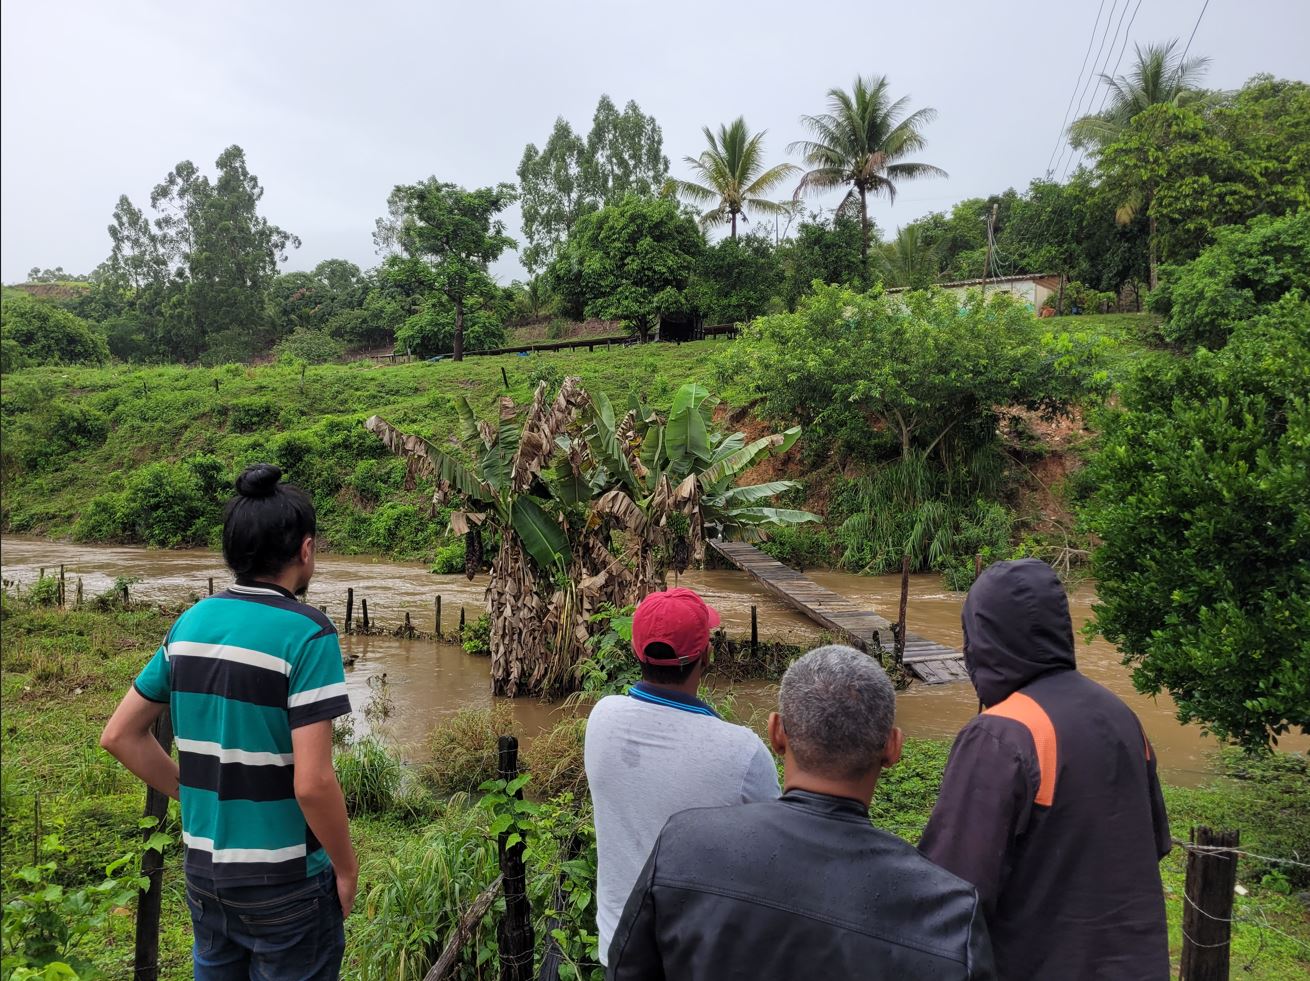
[{"x": 239, "y": 671}]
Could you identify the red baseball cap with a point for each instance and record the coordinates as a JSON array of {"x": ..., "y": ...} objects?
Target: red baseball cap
[{"x": 677, "y": 617}]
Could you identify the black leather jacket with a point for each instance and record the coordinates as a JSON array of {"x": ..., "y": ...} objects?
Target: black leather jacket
[{"x": 800, "y": 887}]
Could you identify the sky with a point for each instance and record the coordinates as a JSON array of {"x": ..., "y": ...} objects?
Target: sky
[{"x": 336, "y": 103}]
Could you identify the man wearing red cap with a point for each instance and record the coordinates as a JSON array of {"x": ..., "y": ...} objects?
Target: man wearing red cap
[{"x": 660, "y": 749}]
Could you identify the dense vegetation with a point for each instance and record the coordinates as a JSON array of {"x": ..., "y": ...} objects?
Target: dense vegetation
[{"x": 425, "y": 854}]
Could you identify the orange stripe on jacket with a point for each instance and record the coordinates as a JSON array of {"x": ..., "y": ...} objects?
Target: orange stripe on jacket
[{"x": 1024, "y": 710}]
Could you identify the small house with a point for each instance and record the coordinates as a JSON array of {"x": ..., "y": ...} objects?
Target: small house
[{"x": 1033, "y": 290}]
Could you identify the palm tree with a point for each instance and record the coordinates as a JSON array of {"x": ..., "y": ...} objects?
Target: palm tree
[
  {"x": 907, "y": 260},
  {"x": 732, "y": 176},
  {"x": 1159, "y": 77},
  {"x": 862, "y": 141}
]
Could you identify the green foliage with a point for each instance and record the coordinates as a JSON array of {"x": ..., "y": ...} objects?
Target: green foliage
[
  {"x": 1245, "y": 269},
  {"x": 610, "y": 666},
  {"x": 47, "y": 925},
  {"x": 737, "y": 279},
  {"x": 35, "y": 332},
  {"x": 802, "y": 546},
  {"x": 462, "y": 749},
  {"x": 1080, "y": 299},
  {"x": 369, "y": 775},
  {"x": 310, "y": 346},
  {"x": 571, "y": 177},
  {"x": 449, "y": 560},
  {"x": 630, "y": 261},
  {"x": 475, "y": 638},
  {"x": 431, "y": 331},
  {"x": 826, "y": 250},
  {"x": 1202, "y": 502}
]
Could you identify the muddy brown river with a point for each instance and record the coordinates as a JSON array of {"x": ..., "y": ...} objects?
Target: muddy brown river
[{"x": 424, "y": 680}]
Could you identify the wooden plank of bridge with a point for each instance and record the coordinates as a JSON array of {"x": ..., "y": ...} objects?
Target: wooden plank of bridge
[{"x": 929, "y": 661}]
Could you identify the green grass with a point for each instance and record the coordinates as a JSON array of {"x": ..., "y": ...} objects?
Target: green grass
[{"x": 61, "y": 674}]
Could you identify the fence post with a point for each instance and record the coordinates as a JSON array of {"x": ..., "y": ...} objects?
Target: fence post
[
  {"x": 211, "y": 585},
  {"x": 436, "y": 616},
  {"x": 504, "y": 377},
  {"x": 350, "y": 606},
  {"x": 515, "y": 930},
  {"x": 63, "y": 596},
  {"x": 146, "y": 963},
  {"x": 755, "y": 631},
  {"x": 1208, "y": 906},
  {"x": 79, "y": 591},
  {"x": 461, "y": 621},
  {"x": 409, "y": 628},
  {"x": 900, "y": 618},
  {"x": 363, "y": 609}
]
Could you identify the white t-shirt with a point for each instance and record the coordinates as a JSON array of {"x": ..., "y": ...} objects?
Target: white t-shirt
[{"x": 648, "y": 756}]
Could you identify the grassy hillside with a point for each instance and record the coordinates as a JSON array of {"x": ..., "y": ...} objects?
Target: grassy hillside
[{"x": 80, "y": 443}]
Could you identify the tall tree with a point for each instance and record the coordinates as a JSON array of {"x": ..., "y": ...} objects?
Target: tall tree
[
  {"x": 571, "y": 176},
  {"x": 909, "y": 259},
  {"x": 1157, "y": 77},
  {"x": 458, "y": 234},
  {"x": 731, "y": 176},
  {"x": 631, "y": 261},
  {"x": 862, "y": 141}
]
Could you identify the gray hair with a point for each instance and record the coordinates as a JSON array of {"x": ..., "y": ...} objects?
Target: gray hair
[{"x": 838, "y": 708}]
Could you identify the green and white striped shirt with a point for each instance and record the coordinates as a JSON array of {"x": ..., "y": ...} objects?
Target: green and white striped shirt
[{"x": 239, "y": 671}]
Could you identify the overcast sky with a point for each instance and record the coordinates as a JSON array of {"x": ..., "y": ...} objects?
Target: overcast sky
[{"x": 335, "y": 103}]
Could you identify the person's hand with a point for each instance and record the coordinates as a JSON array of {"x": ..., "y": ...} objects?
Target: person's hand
[{"x": 347, "y": 883}]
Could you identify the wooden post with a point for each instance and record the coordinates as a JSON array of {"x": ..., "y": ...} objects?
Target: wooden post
[
  {"x": 79, "y": 590},
  {"x": 146, "y": 964},
  {"x": 463, "y": 930},
  {"x": 363, "y": 609},
  {"x": 504, "y": 377},
  {"x": 900, "y": 619},
  {"x": 62, "y": 594},
  {"x": 409, "y": 628},
  {"x": 461, "y": 621},
  {"x": 216, "y": 384},
  {"x": 755, "y": 631},
  {"x": 977, "y": 565},
  {"x": 515, "y": 930},
  {"x": 125, "y": 597},
  {"x": 211, "y": 585},
  {"x": 436, "y": 616},
  {"x": 1208, "y": 906},
  {"x": 350, "y": 606}
]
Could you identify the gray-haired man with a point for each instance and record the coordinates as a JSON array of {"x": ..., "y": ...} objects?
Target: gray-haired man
[{"x": 804, "y": 886}]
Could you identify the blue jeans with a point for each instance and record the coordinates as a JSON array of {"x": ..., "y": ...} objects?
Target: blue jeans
[{"x": 288, "y": 932}]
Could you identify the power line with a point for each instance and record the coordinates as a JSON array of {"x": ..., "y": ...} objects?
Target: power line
[
  {"x": 1105, "y": 33},
  {"x": 1059, "y": 136},
  {"x": 1104, "y": 65},
  {"x": 1194, "y": 27},
  {"x": 1105, "y": 89}
]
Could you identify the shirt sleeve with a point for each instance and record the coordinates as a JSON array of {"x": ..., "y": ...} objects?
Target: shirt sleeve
[
  {"x": 761, "y": 780},
  {"x": 985, "y": 803},
  {"x": 154, "y": 682},
  {"x": 317, "y": 688}
]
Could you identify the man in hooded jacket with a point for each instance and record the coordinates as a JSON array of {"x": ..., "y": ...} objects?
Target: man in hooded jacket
[{"x": 1050, "y": 804}]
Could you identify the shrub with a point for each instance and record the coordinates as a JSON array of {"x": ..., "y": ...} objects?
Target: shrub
[
  {"x": 42, "y": 333},
  {"x": 101, "y": 520},
  {"x": 248, "y": 415},
  {"x": 462, "y": 749},
  {"x": 399, "y": 528},
  {"x": 53, "y": 430},
  {"x": 163, "y": 506},
  {"x": 373, "y": 480},
  {"x": 310, "y": 346},
  {"x": 555, "y": 760},
  {"x": 450, "y": 560},
  {"x": 801, "y": 546},
  {"x": 370, "y": 777},
  {"x": 431, "y": 331},
  {"x": 476, "y": 636},
  {"x": 1246, "y": 268}
]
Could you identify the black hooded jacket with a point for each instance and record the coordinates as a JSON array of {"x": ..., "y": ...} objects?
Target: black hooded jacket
[{"x": 1050, "y": 804}]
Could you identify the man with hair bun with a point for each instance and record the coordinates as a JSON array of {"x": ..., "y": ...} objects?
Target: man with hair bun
[
  {"x": 253, "y": 680},
  {"x": 804, "y": 886}
]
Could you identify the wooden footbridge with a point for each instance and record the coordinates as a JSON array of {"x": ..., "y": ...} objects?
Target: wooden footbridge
[{"x": 927, "y": 660}]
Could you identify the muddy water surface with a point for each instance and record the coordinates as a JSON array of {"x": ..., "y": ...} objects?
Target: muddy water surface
[{"x": 423, "y": 680}]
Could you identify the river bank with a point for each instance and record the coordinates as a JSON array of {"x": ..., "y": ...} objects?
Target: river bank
[{"x": 425, "y": 857}]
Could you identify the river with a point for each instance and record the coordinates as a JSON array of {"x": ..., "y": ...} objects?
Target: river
[{"x": 424, "y": 680}]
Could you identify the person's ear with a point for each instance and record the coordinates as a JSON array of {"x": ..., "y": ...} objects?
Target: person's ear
[
  {"x": 891, "y": 751},
  {"x": 777, "y": 735},
  {"x": 307, "y": 550}
]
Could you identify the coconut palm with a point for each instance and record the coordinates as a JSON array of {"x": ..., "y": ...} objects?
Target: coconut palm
[
  {"x": 908, "y": 260},
  {"x": 732, "y": 176},
  {"x": 1158, "y": 77},
  {"x": 862, "y": 141}
]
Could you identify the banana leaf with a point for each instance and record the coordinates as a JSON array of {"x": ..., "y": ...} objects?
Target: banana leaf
[
  {"x": 468, "y": 421},
  {"x": 769, "y": 516},
  {"x": 752, "y": 493},
  {"x": 541, "y": 534},
  {"x": 685, "y": 435},
  {"x": 735, "y": 463}
]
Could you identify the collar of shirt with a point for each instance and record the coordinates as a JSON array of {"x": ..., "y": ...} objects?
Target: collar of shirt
[
  {"x": 825, "y": 803},
  {"x": 645, "y": 692},
  {"x": 258, "y": 587}
]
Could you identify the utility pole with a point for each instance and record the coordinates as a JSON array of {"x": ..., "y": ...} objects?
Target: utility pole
[{"x": 991, "y": 233}]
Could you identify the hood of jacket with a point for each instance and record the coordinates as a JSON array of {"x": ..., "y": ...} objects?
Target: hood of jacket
[{"x": 1016, "y": 628}]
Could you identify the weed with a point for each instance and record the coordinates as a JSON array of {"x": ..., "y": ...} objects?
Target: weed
[{"x": 462, "y": 749}]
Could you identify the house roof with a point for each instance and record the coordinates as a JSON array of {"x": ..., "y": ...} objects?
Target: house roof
[{"x": 1030, "y": 277}]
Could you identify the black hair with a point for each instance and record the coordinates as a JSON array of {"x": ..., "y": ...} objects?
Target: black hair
[
  {"x": 666, "y": 674},
  {"x": 265, "y": 524}
]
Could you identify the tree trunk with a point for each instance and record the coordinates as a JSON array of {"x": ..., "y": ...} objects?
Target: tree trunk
[
  {"x": 734, "y": 226},
  {"x": 459, "y": 331},
  {"x": 1151, "y": 260},
  {"x": 864, "y": 238}
]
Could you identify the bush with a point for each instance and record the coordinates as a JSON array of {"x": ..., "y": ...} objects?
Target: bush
[
  {"x": 42, "y": 333},
  {"x": 369, "y": 776},
  {"x": 431, "y": 331},
  {"x": 450, "y": 560},
  {"x": 396, "y": 528},
  {"x": 1246, "y": 268},
  {"x": 53, "y": 430},
  {"x": 555, "y": 760},
  {"x": 248, "y": 415},
  {"x": 476, "y": 636},
  {"x": 462, "y": 749},
  {"x": 1081, "y": 299},
  {"x": 801, "y": 546},
  {"x": 373, "y": 480},
  {"x": 310, "y": 346},
  {"x": 164, "y": 506}
]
